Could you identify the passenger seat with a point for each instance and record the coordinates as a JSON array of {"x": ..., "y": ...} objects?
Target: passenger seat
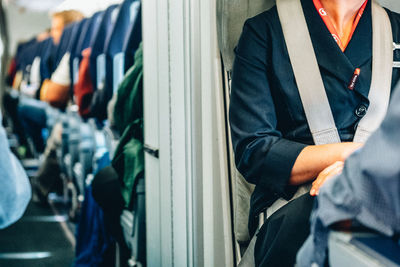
[{"x": 231, "y": 17}]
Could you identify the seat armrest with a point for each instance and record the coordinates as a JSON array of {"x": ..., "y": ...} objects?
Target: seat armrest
[{"x": 362, "y": 249}]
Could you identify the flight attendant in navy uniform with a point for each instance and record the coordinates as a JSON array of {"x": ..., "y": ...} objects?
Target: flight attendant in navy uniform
[{"x": 272, "y": 142}]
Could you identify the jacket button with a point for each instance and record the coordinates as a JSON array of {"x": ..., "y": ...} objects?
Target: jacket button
[{"x": 360, "y": 111}]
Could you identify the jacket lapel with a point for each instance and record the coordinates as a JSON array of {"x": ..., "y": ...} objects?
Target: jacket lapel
[
  {"x": 359, "y": 51},
  {"x": 328, "y": 53}
]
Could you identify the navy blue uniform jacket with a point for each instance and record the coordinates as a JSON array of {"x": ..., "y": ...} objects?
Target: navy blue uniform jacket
[{"x": 268, "y": 124}]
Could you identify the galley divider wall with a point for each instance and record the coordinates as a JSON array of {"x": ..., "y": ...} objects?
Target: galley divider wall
[{"x": 188, "y": 213}]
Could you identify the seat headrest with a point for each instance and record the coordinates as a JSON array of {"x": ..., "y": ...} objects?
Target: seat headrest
[
  {"x": 87, "y": 31},
  {"x": 128, "y": 12},
  {"x": 231, "y": 15}
]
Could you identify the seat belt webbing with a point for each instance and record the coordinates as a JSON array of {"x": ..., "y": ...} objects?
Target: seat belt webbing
[
  {"x": 382, "y": 62},
  {"x": 306, "y": 71}
]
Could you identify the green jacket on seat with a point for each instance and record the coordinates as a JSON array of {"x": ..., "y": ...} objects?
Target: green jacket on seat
[
  {"x": 129, "y": 105},
  {"x": 128, "y": 159}
]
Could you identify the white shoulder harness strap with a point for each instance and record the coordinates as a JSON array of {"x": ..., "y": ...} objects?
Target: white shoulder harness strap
[
  {"x": 309, "y": 80},
  {"x": 382, "y": 63}
]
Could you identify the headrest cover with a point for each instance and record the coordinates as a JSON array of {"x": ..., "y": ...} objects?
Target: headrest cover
[{"x": 231, "y": 15}]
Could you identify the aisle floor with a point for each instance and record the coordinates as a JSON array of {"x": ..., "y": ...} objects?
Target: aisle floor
[{"x": 41, "y": 239}]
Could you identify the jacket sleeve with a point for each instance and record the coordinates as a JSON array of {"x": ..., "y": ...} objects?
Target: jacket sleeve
[{"x": 262, "y": 155}]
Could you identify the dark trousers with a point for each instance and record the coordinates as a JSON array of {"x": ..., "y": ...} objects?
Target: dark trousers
[
  {"x": 11, "y": 107},
  {"x": 284, "y": 233},
  {"x": 106, "y": 191},
  {"x": 33, "y": 118}
]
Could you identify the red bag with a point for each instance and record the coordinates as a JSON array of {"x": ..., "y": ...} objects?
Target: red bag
[{"x": 83, "y": 90}]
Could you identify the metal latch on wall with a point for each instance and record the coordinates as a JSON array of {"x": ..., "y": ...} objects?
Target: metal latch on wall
[{"x": 151, "y": 150}]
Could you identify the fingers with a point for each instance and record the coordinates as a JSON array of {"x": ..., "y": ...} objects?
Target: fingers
[
  {"x": 333, "y": 170},
  {"x": 326, "y": 174}
]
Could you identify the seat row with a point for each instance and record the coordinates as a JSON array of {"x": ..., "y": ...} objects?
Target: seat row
[{"x": 92, "y": 58}]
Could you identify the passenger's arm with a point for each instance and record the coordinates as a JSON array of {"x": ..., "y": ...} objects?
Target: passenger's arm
[
  {"x": 314, "y": 159},
  {"x": 56, "y": 90},
  {"x": 54, "y": 93}
]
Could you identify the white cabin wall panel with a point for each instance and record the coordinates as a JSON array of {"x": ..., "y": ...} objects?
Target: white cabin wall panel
[
  {"x": 164, "y": 133},
  {"x": 196, "y": 134},
  {"x": 153, "y": 213},
  {"x": 179, "y": 157},
  {"x": 192, "y": 190},
  {"x": 209, "y": 232},
  {"x": 191, "y": 213},
  {"x": 218, "y": 250},
  {"x": 169, "y": 69},
  {"x": 150, "y": 95},
  {"x": 157, "y": 135}
]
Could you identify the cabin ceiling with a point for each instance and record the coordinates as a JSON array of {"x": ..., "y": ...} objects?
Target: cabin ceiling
[
  {"x": 94, "y": 5},
  {"x": 87, "y": 7},
  {"x": 35, "y": 5}
]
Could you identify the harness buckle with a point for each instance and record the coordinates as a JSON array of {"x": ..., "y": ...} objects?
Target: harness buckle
[{"x": 396, "y": 46}]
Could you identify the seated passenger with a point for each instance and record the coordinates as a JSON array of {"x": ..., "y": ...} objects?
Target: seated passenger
[
  {"x": 48, "y": 178},
  {"x": 365, "y": 191},
  {"x": 32, "y": 112},
  {"x": 35, "y": 77},
  {"x": 55, "y": 90},
  {"x": 10, "y": 98},
  {"x": 273, "y": 145}
]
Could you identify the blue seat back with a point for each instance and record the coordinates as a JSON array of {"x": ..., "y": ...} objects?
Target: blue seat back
[
  {"x": 113, "y": 58},
  {"x": 76, "y": 50},
  {"x": 21, "y": 54},
  {"x": 47, "y": 62},
  {"x": 115, "y": 65},
  {"x": 89, "y": 27},
  {"x": 77, "y": 32},
  {"x": 25, "y": 57},
  {"x": 98, "y": 43},
  {"x": 28, "y": 55},
  {"x": 133, "y": 40}
]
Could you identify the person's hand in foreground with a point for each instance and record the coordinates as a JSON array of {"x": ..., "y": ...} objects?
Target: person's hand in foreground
[{"x": 331, "y": 171}]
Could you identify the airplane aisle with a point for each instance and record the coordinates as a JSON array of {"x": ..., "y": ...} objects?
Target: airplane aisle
[{"x": 38, "y": 239}]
